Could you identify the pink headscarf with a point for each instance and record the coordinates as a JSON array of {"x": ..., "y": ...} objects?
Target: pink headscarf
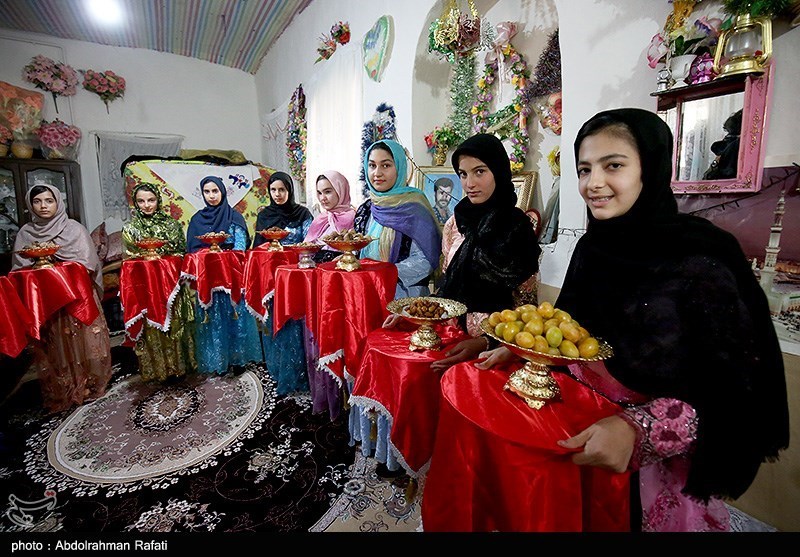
[{"x": 340, "y": 217}]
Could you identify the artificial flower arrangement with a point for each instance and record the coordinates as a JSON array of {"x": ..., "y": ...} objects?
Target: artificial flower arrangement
[
  {"x": 443, "y": 137},
  {"x": 107, "y": 85},
  {"x": 59, "y": 140},
  {"x": 6, "y": 137},
  {"x": 55, "y": 77},
  {"x": 340, "y": 34},
  {"x": 680, "y": 37},
  {"x": 456, "y": 32}
]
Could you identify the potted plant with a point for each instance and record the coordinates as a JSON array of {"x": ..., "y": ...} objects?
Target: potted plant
[
  {"x": 439, "y": 141},
  {"x": 59, "y": 140},
  {"x": 5, "y": 140}
]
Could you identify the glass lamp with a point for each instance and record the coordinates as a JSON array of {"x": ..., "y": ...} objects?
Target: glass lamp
[{"x": 745, "y": 47}]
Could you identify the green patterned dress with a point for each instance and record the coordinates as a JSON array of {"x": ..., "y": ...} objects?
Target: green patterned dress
[{"x": 172, "y": 353}]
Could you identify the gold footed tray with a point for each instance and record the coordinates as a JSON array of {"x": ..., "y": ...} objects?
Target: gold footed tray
[
  {"x": 306, "y": 253},
  {"x": 426, "y": 337},
  {"x": 214, "y": 239},
  {"x": 533, "y": 382},
  {"x": 41, "y": 254},
  {"x": 149, "y": 247},
  {"x": 275, "y": 235},
  {"x": 348, "y": 261}
]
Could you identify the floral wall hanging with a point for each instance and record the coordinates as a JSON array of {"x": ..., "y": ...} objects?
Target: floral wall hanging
[
  {"x": 296, "y": 139},
  {"x": 376, "y": 47},
  {"x": 340, "y": 34},
  {"x": 54, "y": 77},
  {"x": 511, "y": 121},
  {"x": 107, "y": 85}
]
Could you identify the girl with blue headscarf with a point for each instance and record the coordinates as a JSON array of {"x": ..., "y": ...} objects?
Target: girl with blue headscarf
[
  {"x": 217, "y": 216},
  {"x": 400, "y": 217},
  {"x": 226, "y": 334}
]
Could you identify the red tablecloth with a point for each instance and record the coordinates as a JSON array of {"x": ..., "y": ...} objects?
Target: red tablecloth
[
  {"x": 295, "y": 297},
  {"x": 45, "y": 291},
  {"x": 147, "y": 290},
  {"x": 496, "y": 464},
  {"x": 16, "y": 323},
  {"x": 401, "y": 383},
  {"x": 259, "y": 276},
  {"x": 212, "y": 271},
  {"x": 350, "y": 305}
]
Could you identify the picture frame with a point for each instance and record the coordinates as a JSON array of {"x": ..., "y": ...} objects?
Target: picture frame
[
  {"x": 525, "y": 187},
  {"x": 426, "y": 179}
]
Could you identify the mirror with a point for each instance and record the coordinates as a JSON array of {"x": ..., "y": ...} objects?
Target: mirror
[{"x": 719, "y": 129}]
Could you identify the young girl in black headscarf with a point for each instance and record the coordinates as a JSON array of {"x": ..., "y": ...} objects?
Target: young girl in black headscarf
[
  {"x": 696, "y": 357},
  {"x": 283, "y": 211}
]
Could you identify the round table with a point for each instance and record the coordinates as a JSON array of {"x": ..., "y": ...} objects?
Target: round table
[{"x": 147, "y": 289}]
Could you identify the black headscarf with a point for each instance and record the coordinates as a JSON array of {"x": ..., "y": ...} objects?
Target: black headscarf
[
  {"x": 213, "y": 218},
  {"x": 500, "y": 250},
  {"x": 290, "y": 213},
  {"x": 678, "y": 302}
]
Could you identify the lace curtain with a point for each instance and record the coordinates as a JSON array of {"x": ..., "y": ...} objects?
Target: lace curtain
[
  {"x": 113, "y": 149},
  {"x": 273, "y": 139},
  {"x": 335, "y": 112}
]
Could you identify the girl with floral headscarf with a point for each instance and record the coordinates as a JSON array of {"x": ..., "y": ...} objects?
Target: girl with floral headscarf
[
  {"x": 170, "y": 353},
  {"x": 400, "y": 217}
]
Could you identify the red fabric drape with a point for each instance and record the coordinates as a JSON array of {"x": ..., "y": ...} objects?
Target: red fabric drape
[
  {"x": 147, "y": 290},
  {"x": 45, "y": 291},
  {"x": 350, "y": 305},
  {"x": 259, "y": 275},
  {"x": 496, "y": 464},
  {"x": 16, "y": 322},
  {"x": 215, "y": 270},
  {"x": 401, "y": 381},
  {"x": 295, "y": 297}
]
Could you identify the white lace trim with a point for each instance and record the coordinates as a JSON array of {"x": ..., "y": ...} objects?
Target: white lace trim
[{"x": 322, "y": 364}]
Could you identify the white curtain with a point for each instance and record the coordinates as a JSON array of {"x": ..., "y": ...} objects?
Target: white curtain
[
  {"x": 113, "y": 149},
  {"x": 273, "y": 138},
  {"x": 334, "y": 109}
]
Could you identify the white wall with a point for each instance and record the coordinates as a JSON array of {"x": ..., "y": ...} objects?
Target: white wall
[{"x": 212, "y": 106}]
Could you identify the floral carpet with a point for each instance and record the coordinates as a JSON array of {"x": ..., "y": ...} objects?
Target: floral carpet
[{"x": 217, "y": 454}]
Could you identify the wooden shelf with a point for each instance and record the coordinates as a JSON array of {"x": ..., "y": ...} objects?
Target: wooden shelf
[{"x": 714, "y": 88}]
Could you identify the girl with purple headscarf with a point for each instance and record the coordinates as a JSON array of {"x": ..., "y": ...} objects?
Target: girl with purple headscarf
[{"x": 400, "y": 217}]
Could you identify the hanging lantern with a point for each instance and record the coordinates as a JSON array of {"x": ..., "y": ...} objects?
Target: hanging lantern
[{"x": 745, "y": 47}]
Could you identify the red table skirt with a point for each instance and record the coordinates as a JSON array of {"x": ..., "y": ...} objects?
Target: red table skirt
[
  {"x": 45, "y": 291},
  {"x": 402, "y": 384},
  {"x": 295, "y": 297},
  {"x": 259, "y": 276},
  {"x": 212, "y": 271},
  {"x": 350, "y": 305},
  {"x": 147, "y": 290},
  {"x": 16, "y": 323},
  {"x": 496, "y": 464}
]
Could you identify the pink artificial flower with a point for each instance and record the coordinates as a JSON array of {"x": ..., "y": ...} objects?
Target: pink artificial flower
[{"x": 656, "y": 51}]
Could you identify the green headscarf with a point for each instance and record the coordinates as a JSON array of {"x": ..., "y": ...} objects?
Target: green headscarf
[{"x": 158, "y": 225}]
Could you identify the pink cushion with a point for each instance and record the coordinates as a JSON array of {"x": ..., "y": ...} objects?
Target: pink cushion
[{"x": 114, "y": 247}]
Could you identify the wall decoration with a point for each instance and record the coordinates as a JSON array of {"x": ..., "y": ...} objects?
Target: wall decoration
[
  {"x": 458, "y": 32},
  {"x": 377, "y": 46},
  {"x": 20, "y": 111},
  {"x": 55, "y": 77},
  {"x": 296, "y": 140},
  {"x": 525, "y": 186},
  {"x": 340, "y": 34},
  {"x": 442, "y": 187},
  {"x": 381, "y": 126},
  {"x": 107, "y": 85},
  {"x": 511, "y": 121},
  {"x": 545, "y": 91}
]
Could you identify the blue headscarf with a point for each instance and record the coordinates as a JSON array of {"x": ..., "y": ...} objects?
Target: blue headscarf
[
  {"x": 213, "y": 218},
  {"x": 402, "y": 209}
]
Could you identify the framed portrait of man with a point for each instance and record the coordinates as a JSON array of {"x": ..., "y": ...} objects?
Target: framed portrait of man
[{"x": 442, "y": 187}]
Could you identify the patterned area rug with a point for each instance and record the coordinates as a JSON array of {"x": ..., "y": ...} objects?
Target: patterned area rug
[{"x": 144, "y": 431}]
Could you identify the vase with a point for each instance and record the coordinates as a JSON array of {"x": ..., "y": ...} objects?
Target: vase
[
  {"x": 21, "y": 150},
  {"x": 3, "y": 149},
  {"x": 440, "y": 155},
  {"x": 679, "y": 67}
]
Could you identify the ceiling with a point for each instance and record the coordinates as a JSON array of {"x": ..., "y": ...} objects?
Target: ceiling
[{"x": 235, "y": 33}]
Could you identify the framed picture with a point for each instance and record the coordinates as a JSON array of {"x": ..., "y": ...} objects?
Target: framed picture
[
  {"x": 524, "y": 185},
  {"x": 442, "y": 187}
]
